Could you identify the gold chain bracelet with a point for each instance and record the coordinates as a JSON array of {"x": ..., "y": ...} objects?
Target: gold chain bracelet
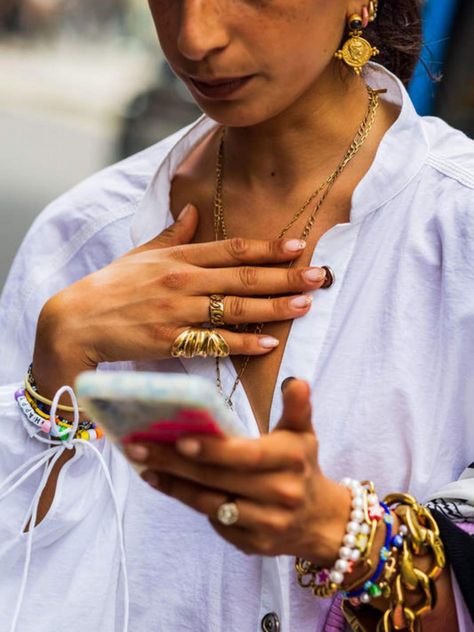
[
  {"x": 409, "y": 592},
  {"x": 423, "y": 539}
]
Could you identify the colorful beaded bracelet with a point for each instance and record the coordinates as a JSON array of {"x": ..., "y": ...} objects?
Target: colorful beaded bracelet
[
  {"x": 356, "y": 545},
  {"x": 61, "y": 430},
  {"x": 371, "y": 589},
  {"x": 31, "y": 387}
]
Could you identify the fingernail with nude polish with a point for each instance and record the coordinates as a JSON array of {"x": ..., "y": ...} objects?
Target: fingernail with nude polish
[
  {"x": 137, "y": 453},
  {"x": 300, "y": 302},
  {"x": 268, "y": 342},
  {"x": 314, "y": 275},
  {"x": 184, "y": 212},
  {"x": 188, "y": 446},
  {"x": 294, "y": 245}
]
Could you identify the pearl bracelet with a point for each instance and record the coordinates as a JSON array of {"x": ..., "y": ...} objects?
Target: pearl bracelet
[
  {"x": 356, "y": 539},
  {"x": 356, "y": 546}
]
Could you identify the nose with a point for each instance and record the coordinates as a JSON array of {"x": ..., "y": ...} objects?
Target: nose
[{"x": 202, "y": 28}]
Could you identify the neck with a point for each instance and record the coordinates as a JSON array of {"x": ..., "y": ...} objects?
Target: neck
[{"x": 279, "y": 149}]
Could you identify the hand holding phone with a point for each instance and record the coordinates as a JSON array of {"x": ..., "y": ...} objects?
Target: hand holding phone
[{"x": 143, "y": 406}]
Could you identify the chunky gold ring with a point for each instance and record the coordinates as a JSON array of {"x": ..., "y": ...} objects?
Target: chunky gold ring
[
  {"x": 228, "y": 514},
  {"x": 216, "y": 310},
  {"x": 200, "y": 342}
]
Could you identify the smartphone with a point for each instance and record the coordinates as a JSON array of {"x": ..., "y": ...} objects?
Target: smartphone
[{"x": 143, "y": 406}]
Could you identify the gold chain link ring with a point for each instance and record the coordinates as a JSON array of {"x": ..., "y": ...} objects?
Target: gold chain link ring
[{"x": 216, "y": 310}]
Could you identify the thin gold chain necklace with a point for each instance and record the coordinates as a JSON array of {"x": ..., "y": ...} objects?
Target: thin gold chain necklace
[{"x": 220, "y": 229}]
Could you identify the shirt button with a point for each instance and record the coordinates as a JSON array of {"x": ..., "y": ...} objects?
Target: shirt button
[
  {"x": 285, "y": 383},
  {"x": 330, "y": 278},
  {"x": 271, "y": 622}
]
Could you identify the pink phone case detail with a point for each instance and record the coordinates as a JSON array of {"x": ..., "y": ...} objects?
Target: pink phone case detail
[{"x": 170, "y": 430}]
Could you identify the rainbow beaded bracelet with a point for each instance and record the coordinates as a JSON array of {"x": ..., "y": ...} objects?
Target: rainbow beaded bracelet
[
  {"x": 371, "y": 589},
  {"x": 61, "y": 430}
]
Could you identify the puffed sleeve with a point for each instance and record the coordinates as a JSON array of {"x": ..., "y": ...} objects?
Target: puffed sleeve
[
  {"x": 78, "y": 539},
  {"x": 453, "y": 505}
]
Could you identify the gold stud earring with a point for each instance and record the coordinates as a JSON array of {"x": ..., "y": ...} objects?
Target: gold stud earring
[{"x": 356, "y": 51}]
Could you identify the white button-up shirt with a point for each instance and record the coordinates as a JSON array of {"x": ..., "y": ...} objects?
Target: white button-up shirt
[{"x": 388, "y": 350}]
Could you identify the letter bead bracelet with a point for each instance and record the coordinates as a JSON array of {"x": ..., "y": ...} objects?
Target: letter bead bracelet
[
  {"x": 35, "y": 409},
  {"x": 32, "y": 389}
]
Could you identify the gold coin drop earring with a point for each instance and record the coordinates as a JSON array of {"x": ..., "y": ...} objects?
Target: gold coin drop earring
[{"x": 356, "y": 51}]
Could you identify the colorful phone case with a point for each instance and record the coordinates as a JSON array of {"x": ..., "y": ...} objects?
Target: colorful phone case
[{"x": 140, "y": 406}]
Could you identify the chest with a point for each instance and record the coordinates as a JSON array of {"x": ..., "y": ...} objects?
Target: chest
[
  {"x": 390, "y": 379},
  {"x": 259, "y": 375}
]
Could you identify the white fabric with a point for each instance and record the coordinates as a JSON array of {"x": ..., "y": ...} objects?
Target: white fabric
[
  {"x": 388, "y": 350},
  {"x": 48, "y": 459}
]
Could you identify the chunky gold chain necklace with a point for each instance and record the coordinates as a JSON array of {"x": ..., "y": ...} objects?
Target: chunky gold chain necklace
[{"x": 220, "y": 230}]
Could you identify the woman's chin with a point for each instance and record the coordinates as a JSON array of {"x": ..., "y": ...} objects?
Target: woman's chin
[{"x": 237, "y": 113}]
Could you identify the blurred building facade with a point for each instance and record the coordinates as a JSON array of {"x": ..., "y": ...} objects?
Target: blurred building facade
[
  {"x": 70, "y": 69},
  {"x": 36, "y": 18}
]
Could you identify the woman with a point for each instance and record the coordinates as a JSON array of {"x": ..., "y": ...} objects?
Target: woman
[{"x": 374, "y": 285}]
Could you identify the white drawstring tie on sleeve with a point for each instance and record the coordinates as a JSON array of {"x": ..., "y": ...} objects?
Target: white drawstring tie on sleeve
[{"x": 50, "y": 458}]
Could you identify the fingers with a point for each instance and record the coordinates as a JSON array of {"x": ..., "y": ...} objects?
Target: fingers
[
  {"x": 280, "y": 488},
  {"x": 296, "y": 415},
  {"x": 239, "y": 251},
  {"x": 257, "y": 525},
  {"x": 202, "y": 499},
  {"x": 180, "y": 232},
  {"x": 243, "y": 344},
  {"x": 254, "y": 281},
  {"x": 275, "y": 451},
  {"x": 238, "y": 309}
]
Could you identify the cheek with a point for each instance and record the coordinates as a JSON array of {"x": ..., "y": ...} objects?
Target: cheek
[
  {"x": 295, "y": 44},
  {"x": 301, "y": 57},
  {"x": 291, "y": 56},
  {"x": 309, "y": 38},
  {"x": 166, "y": 19}
]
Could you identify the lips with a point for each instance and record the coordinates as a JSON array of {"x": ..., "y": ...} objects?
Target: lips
[{"x": 219, "y": 88}]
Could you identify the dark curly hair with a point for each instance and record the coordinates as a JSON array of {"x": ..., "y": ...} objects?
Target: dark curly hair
[{"x": 397, "y": 33}]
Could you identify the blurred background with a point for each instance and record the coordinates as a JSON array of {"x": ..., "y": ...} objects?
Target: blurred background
[{"x": 83, "y": 84}]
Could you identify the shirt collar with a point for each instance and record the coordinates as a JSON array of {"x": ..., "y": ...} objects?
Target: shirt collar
[
  {"x": 400, "y": 156},
  {"x": 401, "y": 153}
]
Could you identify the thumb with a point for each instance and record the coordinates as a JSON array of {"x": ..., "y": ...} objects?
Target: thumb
[
  {"x": 296, "y": 407},
  {"x": 180, "y": 232}
]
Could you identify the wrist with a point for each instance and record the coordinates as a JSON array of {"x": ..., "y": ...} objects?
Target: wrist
[
  {"x": 331, "y": 526},
  {"x": 57, "y": 357},
  {"x": 352, "y": 537},
  {"x": 401, "y": 555}
]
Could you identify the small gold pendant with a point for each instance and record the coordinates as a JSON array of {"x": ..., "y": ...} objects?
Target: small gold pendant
[{"x": 357, "y": 52}]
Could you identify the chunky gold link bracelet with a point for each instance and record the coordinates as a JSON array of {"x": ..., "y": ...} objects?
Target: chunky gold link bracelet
[
  {"x": 422, "y": 539},
  {"x": 403, "y": 582}
]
